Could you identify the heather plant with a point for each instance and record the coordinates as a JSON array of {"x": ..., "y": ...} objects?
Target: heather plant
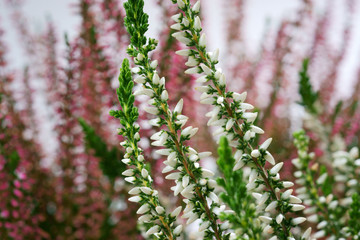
[
  {"x": 277, "y": 207},
  {"x": 156, "y": 185}
]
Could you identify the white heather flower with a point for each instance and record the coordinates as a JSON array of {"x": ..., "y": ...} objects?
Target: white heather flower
[
  {"x": 240, "y": 163},
  {"x": 178, "y": 188},
  {"x": 215, "y": 55},
  {"x": 128, "y": 172},
  {"x": 206, "y": 173},
  {"x": 130, "y": 179},
  {"x": 286, "y": 194},
  {"x": 307, "y": 233},
  {"x": 204, "y": 226},
  {"x": 145, "y": 218},
  {"x": 255, "y": 153},
  {"x": 265, "y": 219},
  {"x": 185, "y": 181},
  {"x": 297, "y": 207},
  {"x": 176, "y": 212},
  {"x": 197, "y": 23},
  {"x": 174, "y": 176},
  {"x": 185, "y": 22},
  {"x": 322, "y": 224},
  {"x": 167, "y": 169},
  {"x": 162, "y": 81},
  {"x": 208, "y": 101},
  {"x": 279, "y": 218},
  {"x": 143, "y": 209},
  {"x": 164, "y": 95},
  {"x": 183, "y": 52},
  {"x": 274, "y": 170},
  {"x": 140, "y": 79},
  {"x": 193, "y": 70},
  {"x": 313, "y": 218},
  {"x": 257, "y": 130},
  {"x": 220, "y": 100},
  {"x": 202, "y": 79},
  {"x": 322, "y": 178},
  {"x": 269, "y": 158},
  {"x": 214, "y": 197},
  {"x": 178, "y": 230},
  {"x": 268, "y": 229},
  {"x": 164, "y": 151},
  {"x": 146, "y": 190},
  {"x": 250, "y": 116},
  {"x": 192, "y": 218},
  {"x": 205, "y": 154},
  {"x": 196, "y": 7},
  {"x": 206, "y": 69},
  {"x": 298, "y": 220},
  {"x": 154, "y": 64},
  {"x": 135, "y": 199},
  {"x": 176, "y": 26},
  {"x": 151, "y": 110},
  {"x": 144, "y": 173},
  {"x": 288, "y": 184},
  {"x": 263, "y": 198},
  {"x": 246, "y": 106},
  {"x": 240, "y": 97},
  {"x": 153, "y": 230},
  {"x": 266, "y": 144},
  {"x": 160, "y": 210},
  {"x": 134, "y": 191},
  {"x": 181, "y": 4},
  {"x": 179, "y": 106},
  {"x": 144, "y": 91},
  {"x": 319, "y": 234},
  {"x": 222, "y": 80},
  {"x": 229, "y": 124},
  {"x": 271, "y": 206},
  {"x": 202, "y": 40},
  {"x": 156, "y": 79},
  {"x": 135, "y": 69},
  {"x": 176, "y": 17}
]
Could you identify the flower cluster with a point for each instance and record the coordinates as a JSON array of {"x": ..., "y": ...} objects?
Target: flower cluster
[
  {"x": 231, "y": 114},
  {"x": 192, "y": 181},
  {"x": 144, "y": 194},
  {"x": 326, "y": 209}
]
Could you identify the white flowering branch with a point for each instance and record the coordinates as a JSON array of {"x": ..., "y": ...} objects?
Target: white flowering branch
[
  {"x": 230, "y": 113},
  {"x": 192, "y": 181},
  {"x": 160, "y": 223},
  {"x": 327, "y": 211}
]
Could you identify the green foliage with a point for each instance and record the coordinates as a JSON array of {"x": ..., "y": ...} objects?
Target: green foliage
[
  {"x": 110, "y": 166},
  {"x": 13, "y": 161},
  {"x": 308, "y": 95},
  {"x": 129, "y": 114},
  {"x": 354, "y": 213},
  {"x": 236, "y": 195},
  {"x": 136, "y": 22}
]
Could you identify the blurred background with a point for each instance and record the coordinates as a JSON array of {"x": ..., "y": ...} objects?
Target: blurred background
[{"x": 60, "y": 159}]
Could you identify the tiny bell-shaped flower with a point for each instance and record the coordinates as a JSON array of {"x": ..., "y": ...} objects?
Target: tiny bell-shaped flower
[
  {"x": 197, "y": 23},
  {"x": 154, "y": 64},
  {"x": 202, "y": 40},
  {"x": 179, "y": 106},
  {"x": 274, "y": 170},
  {"x": 196, "y": 7},
  {"x": 153, "y": 230},
  {"x": 298, "y": 220},
  {"x": 181, "y": 4}
]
